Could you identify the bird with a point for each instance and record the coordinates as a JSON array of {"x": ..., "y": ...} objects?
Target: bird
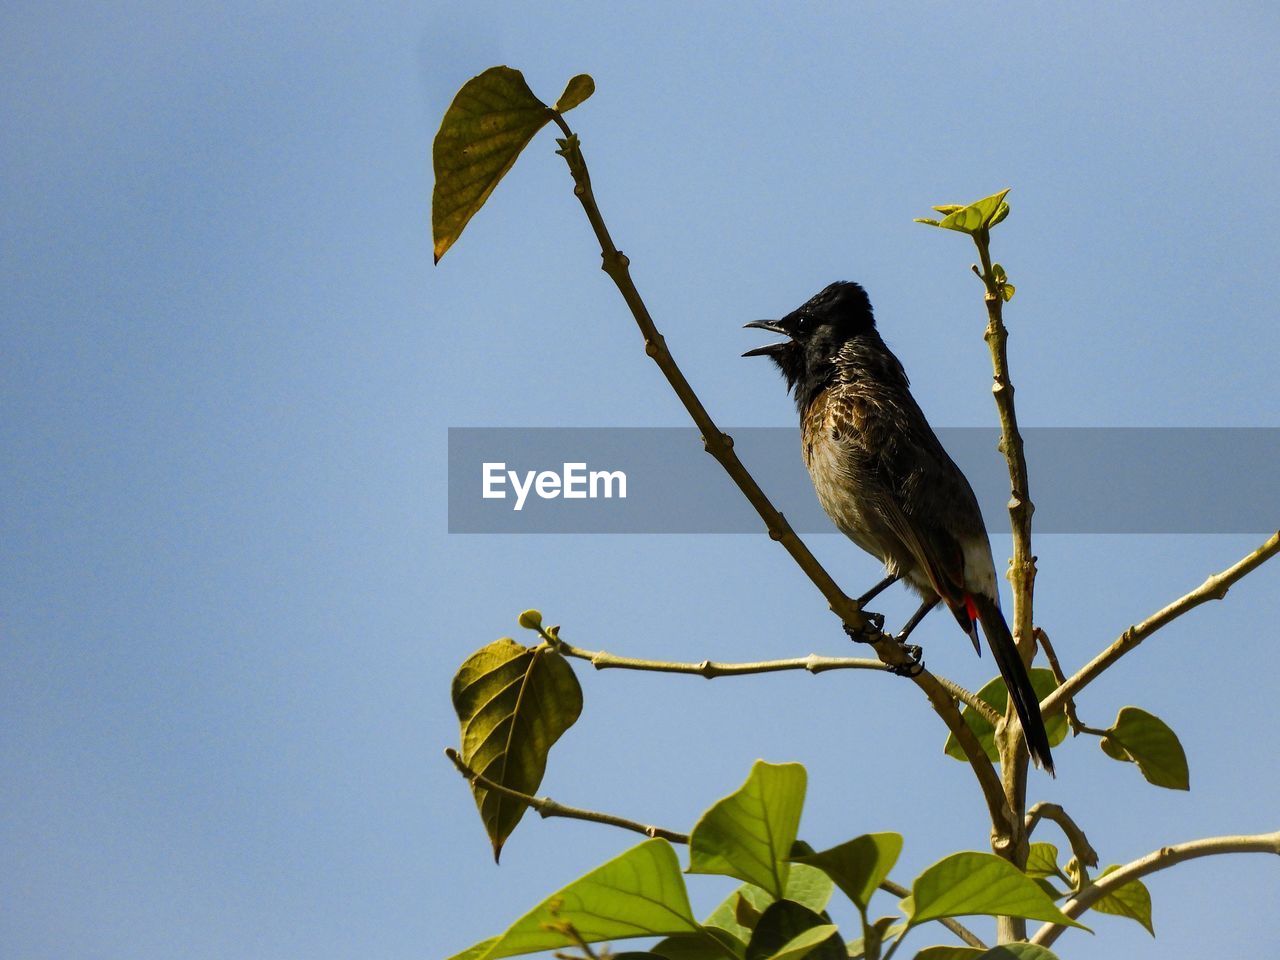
[{"x": 884, "y": 479}]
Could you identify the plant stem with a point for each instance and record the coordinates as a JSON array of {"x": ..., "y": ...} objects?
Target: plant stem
[
  {"x": 547, "y": 807},
  {"x": 1080, "y": 845},
  {"x": 711, "y": 669},
  {"x": 1214, "y": 588},
  {"x": 1160, "y": 859}
]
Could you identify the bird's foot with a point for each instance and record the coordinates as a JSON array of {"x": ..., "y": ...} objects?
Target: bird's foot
[
  {"x": 912, "y": 668},
  {"x": 870, "y": 632}
]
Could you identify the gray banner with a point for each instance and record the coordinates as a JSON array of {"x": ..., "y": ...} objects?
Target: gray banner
[{"x": 660, "y": 480}]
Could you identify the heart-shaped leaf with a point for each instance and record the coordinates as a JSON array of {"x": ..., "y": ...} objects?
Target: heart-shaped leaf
[
  {"x": 1133, "y": 900},
  {"x": 513, "y": 702},
  {"x": 492, "y": 118},
  {"x": 973, "y": 883},
  {"x": 996, "y": 694},
  {"x": 637, "y": 894},
  {"x": 786, "y": 931},
  {"x": 1146, "y": 740},
  {"x": 749, "y": 833},
  {"x": 858, "y": 866}
]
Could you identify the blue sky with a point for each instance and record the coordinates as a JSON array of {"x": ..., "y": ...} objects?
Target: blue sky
[{"x": 229, "y": 608}]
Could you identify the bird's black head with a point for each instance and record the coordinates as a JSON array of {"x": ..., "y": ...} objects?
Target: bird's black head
[{"x": 816, "y": 331}]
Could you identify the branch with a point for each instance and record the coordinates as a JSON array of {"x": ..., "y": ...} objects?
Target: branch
[
  {"x": 1080, "y": 845},
  {"x": 711, "y": 669},
  {"x": 1214, "y": 588},
  {"x": 720, "y": 446},
  {"x": 1157, "y": 860},
  {"x": 547, "y": 807},
  {"x": 1022, "y": 567}
]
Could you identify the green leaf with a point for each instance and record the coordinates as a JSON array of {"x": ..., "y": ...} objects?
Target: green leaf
[
  {"x": 948, "y": 208},
  {"x": 1018, "y": 951},
  {"x": 513, "y": 703},
  {"x": 1007, "y": 290},
  {"x": 492, "y": 118},
  {"x": 1008, "y": 951},
  {"x": 749, "y": 833},
  {"x": 860, "y": 865},
  {"x": 883, "y": 929},
  {"x": 996, "y": 694},
  {"x": 928, "y": 222},
  {"x": 948, "y": 953},
  {"x": 577, "y": 90},
  {"x": 983, "y": 214},
  {"x": 739, "y": 912},
  {"x": 1146, "y": 740},
  {"x": 707, "y": 945},
  {"x": 477, "y": 951},
  {"x": 805, "y": 944},
  {"x": 781, "y": 934},
  {"x": 1042, "y": 861},
  {"x": 970, "y": 883},
  {"x": 1132, "y": 900},
  {"x": 637, "y": 894}
]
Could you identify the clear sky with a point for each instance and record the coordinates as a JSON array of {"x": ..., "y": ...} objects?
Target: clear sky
[{"x": 229, "y": 607}]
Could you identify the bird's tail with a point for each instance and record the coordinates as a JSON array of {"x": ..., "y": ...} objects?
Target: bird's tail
[{"x": 1025, "y": 701}]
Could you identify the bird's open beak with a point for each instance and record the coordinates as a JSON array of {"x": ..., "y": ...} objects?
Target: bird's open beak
[{"x": 773, "y": 326}]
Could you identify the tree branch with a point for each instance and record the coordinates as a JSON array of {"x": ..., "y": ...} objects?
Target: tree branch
[
  {"x": 1022, "y": 567},
  {"x": 1156, "y": 860},
  {"x": 1214, "y": 588},
  {"x": 1080, "y": 845},
  {"x": 547, "y": 807},
  {"x": 711, "y": 669},
  {"x": 720, "y": 445}
]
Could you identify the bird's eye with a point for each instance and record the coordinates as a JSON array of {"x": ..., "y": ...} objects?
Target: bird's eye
[{"x": 804, "y": 323}]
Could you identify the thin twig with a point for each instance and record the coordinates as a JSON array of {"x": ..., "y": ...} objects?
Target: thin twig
[
  {"x": 547, "y": 807},
  {"x": 959, "y": 929},
  {"x": 1080, "y": 845},
  {"x": 1156, "y": 860},
  {"x": 711, "y": 669},
  {"x": 720, "y": 445},
  {"x": 1214, "y": 588},
  {"x": 1055, "y": 666},
  {"x": 971, "y": 699}
]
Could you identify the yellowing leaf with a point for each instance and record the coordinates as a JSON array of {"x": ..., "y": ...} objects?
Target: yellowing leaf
[
  {"x": 577, "y": 90},
  {"x": 492, "y": 118},
  {"x": 513, "y": 703}
]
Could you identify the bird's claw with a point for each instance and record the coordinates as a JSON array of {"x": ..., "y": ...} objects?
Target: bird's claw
[
  {"x": 870, "y": 631},
  {"x": 913, "y": 667}
]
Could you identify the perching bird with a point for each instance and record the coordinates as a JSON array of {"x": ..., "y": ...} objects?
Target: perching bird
[{"x": 887, "y": 483}]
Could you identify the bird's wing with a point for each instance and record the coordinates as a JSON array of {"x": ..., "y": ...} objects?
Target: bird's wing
[{"x": 908, "y": 482}]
